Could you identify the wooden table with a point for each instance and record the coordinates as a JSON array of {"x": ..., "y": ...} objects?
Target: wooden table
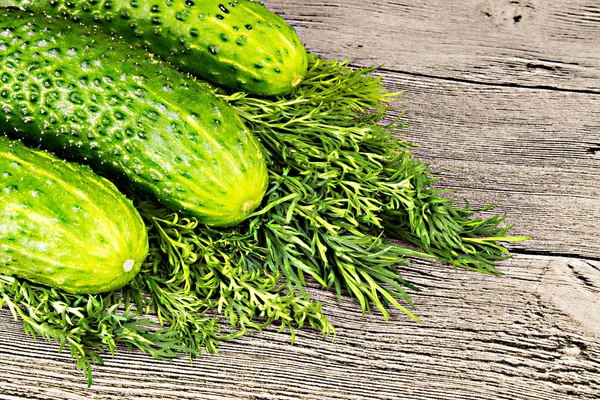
[{"x": 505, "y": 96}]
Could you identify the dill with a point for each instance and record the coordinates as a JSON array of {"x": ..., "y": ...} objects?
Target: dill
[{"x": 343, "y": 183}]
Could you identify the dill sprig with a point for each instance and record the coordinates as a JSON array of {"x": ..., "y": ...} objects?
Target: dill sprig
[
  {"x": 350, "y": 182},
  {"x": 343, "y": 182}
]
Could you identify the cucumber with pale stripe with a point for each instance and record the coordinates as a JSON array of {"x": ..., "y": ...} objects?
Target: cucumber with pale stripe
[
  {"x": 63, "y": 226},
  {"x": 240, "y": 44},
  {"x": 97, "y": 100}
]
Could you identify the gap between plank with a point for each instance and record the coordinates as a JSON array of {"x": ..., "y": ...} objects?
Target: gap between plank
[
  {"x": 547, "y": 253},
  {"x": 471, "y": 81}
]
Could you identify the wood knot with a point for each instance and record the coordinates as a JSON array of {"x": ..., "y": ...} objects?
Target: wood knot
[{"x": 573, "y": 286}]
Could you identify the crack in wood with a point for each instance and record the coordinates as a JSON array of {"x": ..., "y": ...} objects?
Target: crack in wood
[
  {"x": 483, "y": 83},
  {"x": 553, "y": 254},
  {"x": 595, "y": 150},
  {"x": 582, "y": 277},
  {"x": 541, "y": 66}
]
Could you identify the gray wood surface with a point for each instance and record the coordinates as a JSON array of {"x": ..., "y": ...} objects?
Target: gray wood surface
[{"x": 503, "y": 95}]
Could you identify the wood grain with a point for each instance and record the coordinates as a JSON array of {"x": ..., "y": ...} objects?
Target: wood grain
[
  {"x": 531, "y": 149},
  {"x": 504, "y": 96},
  {"x": 480, "y": 337},
  {"x": 535, "y": 43}
]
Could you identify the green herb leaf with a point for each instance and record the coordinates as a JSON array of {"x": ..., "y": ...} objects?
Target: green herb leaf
[{"x": 343, "y": 183}]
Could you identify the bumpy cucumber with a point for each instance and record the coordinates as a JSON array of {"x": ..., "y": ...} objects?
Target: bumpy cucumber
[
  {"x": 239, "y": 44},
  {"x": 98, "y": 101},
  {"x": 63, "y": 226}
]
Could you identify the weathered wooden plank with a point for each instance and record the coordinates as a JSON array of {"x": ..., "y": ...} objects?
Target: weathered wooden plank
[
  {"x": 511, "y": 337},
  {"x": 533, "y": 334},
  {"x": 531, "y": 148},
  {"x": 554, "y": 43},
  {"x": 539, "y": 149}
]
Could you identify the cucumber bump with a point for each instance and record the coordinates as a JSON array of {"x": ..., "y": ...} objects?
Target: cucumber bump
[
  {"x": 239, "y": 44},
  {"x": 99, "y": 101},
  {"x": 63, "y": 226}
]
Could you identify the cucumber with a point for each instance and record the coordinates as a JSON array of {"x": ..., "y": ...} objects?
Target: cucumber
[
  {"x": 96, "y": 100},
  {"x": 239, "y": 44},
  {"x": 63, "y": 226}
]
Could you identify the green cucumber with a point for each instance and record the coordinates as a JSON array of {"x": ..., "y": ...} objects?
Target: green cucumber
[
  {"x": 63, "y": 226},
  {"x": 240, "y": 44},
  {"x": 97, "y": 100}
]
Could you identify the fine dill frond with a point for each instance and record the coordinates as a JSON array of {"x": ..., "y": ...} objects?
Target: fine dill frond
[
  {"x": 342, "y": 183},
  {"x": 356, "y": 180},
  {"x": 219, "y": 272}
]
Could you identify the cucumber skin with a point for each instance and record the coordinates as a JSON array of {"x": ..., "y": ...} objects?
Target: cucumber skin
[
  {"x": 63, "y": 226},
  {"x": 239, "y": 44},
  {"x": 98, "y": 101}
]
